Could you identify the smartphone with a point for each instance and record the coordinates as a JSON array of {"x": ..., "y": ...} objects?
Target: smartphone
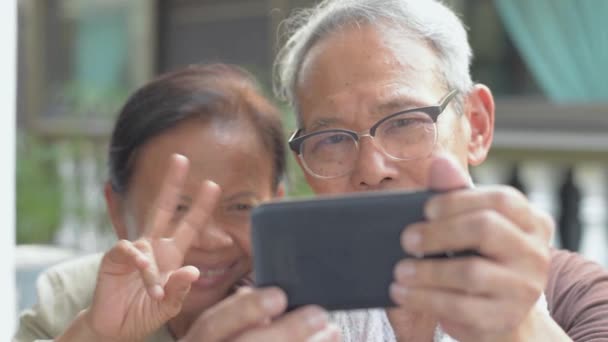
[{"x": 338, "y": 252}]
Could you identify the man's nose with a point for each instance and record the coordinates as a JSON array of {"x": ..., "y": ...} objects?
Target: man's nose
[{"x": 372, "y": 169}]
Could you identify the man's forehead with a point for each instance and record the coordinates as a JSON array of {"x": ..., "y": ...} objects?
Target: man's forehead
[
  {"x": 376, "y": 45},
  {"x": 377, "y": 98},
  {"x": 374, "y": 103},
  {"x": 339, "y": 63}
]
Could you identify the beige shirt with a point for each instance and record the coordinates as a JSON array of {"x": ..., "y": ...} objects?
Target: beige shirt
[
  {"x": 63, "y": 291},
  {"x": 66, "y": 289}
]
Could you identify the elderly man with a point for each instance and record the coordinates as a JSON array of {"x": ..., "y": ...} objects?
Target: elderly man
[{"x": 384, "y": 100}]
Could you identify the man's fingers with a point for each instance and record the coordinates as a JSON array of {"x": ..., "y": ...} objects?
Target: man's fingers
[
  {"x": 150, "y": 274},
  {"x": 163, "y": 210},
  {"x": 446, "y": 174},
  {"x": 177, "y": 288},
  {"x": 484, "y": 314},
  {"x": 199, "y": 213},
  {"x": 546, "y": 225},
  {"x": 299, "y": 325},
  {"x": 245, "y": 309},
  {"x": 485, "y": 231},
  {"x": 468, "y": 275},
  {"x": 505, "y": 200}
]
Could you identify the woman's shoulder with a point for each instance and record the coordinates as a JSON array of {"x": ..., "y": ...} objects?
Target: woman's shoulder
[
  {"x": 63, "y": 291},
  {"x": 72, "y": 275}
]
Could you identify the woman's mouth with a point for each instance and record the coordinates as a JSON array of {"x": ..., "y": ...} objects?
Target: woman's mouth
[{"x": 212, "y": 276}]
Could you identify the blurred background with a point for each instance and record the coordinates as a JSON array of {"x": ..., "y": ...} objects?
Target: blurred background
[{"x": 545, "y": 60}]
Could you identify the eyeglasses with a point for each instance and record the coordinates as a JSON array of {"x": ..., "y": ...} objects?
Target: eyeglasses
[{"x": 406, "y": 135}]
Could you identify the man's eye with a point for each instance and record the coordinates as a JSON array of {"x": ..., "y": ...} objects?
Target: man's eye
[
  {"x": 334, "y": 139},
  {"x": 330, "y": 142},
  {"x": 401, "y": 123}
]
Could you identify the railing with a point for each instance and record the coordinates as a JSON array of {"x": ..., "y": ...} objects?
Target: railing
[
  {"x": 81, "y": 164},
  {"x": 575, "y": 194},
  {"x": 82, "y": 169}
]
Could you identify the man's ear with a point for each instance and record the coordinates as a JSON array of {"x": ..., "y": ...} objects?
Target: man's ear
[
  {"x": 479, "y": 110},
  {"x": 115, "y": 206}
]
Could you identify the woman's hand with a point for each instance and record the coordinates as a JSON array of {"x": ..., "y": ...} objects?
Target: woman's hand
[
  {"x": 142, "y": 284},
  {"x": 258, "y": 315}
]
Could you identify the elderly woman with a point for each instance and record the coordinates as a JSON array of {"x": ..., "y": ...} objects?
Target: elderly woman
[{"x": 191, "y": 154}]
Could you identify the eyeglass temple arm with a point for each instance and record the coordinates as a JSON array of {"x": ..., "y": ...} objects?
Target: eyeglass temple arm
[
  {"x": 447, "y": 99},
  {"x": 294, "y": 145},
  {"x": 295, "y": 134}
]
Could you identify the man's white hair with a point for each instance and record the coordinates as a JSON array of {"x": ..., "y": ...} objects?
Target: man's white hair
[{"x": 429, "y": 20}]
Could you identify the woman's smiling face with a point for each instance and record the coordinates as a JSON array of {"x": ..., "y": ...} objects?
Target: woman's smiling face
[{"x": 230, "y": 153}]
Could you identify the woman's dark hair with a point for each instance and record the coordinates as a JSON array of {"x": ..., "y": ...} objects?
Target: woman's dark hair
[{"x": 197, "y": 91}]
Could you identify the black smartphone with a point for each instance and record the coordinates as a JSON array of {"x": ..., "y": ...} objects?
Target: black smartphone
[{"x": 338, "y": 252}]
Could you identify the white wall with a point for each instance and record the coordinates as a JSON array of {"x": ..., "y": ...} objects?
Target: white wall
[{"x": 8, "y": 37}]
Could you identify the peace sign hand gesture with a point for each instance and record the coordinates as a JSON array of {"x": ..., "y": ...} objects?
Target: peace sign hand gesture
[{"x": 142, "y": 284}]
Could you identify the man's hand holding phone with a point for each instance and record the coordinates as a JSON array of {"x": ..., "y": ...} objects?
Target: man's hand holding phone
[{"x": 475, "y": 298}]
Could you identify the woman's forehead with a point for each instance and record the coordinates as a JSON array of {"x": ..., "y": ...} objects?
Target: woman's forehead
[{"x": 223, "y": 153}]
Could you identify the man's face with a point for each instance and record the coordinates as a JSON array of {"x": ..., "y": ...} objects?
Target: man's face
[{"x": 358, "y": 75}]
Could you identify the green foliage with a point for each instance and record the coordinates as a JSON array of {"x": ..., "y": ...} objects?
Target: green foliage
[
  {"x": 38, "y": 190},
  {"x": 85, "y": 100},
  {"x": 296, "y": 186},
  {"x": 296, "y": 183}
]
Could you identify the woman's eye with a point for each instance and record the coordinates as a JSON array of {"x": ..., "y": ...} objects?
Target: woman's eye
[
  {"x": 242, "y": 207},
  {"x": 180, "y": 211},
  {"x": 181, "y": 208}
]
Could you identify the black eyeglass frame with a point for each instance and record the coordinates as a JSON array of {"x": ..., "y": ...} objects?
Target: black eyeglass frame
[{"x": 295, "y": 141}]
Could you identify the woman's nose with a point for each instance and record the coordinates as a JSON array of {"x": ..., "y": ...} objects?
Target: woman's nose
[{"x": 212, "y": 236}]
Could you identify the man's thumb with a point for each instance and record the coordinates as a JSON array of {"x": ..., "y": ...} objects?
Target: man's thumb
[{"x": 447, "y": 174}]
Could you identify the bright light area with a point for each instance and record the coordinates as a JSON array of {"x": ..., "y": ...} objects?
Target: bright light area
[{"x": 8, "y": 36}]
